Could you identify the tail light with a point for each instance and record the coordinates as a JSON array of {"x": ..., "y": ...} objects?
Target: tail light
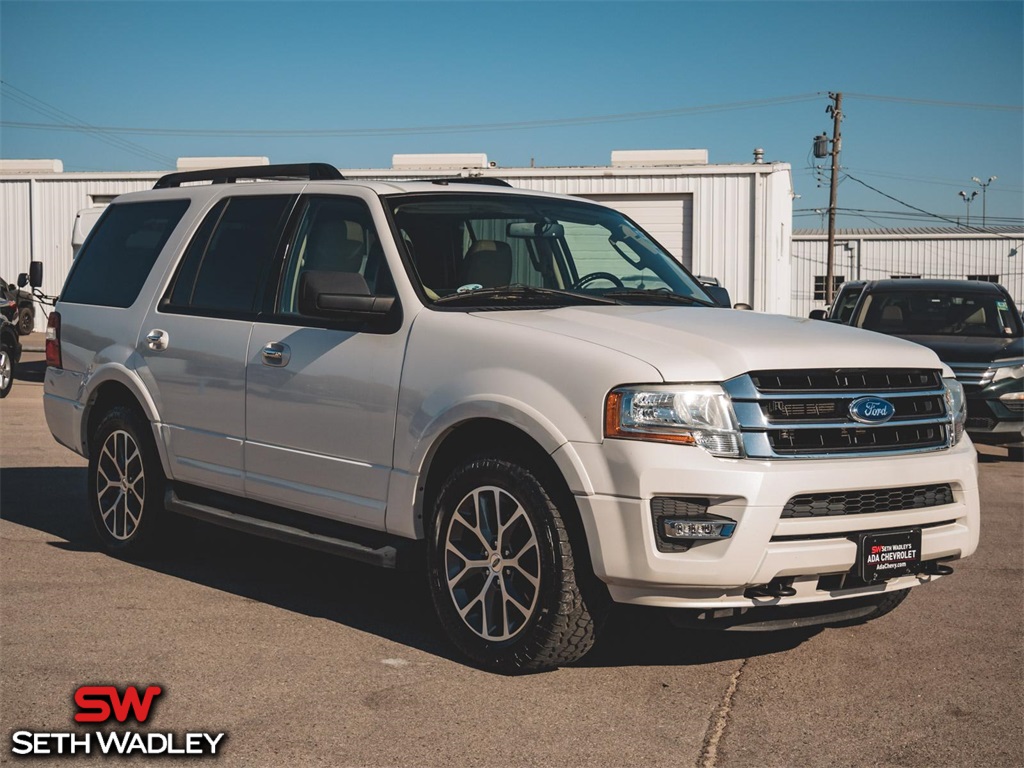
[{"x": 53, "y": 341}]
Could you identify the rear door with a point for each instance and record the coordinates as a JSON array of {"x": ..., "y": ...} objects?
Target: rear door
[
  {"x": 194, "y": 342},
  {"x": 322, "y": 396}
]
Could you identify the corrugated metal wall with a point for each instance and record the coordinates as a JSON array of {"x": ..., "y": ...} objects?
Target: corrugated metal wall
[
  {"x": 947, "y": 257},
  {"x": 37, "y": 217}
]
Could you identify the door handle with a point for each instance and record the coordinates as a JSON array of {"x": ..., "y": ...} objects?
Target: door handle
[
  {"x": 276, "y": 354},
  {"x": 157, "y": 340}
]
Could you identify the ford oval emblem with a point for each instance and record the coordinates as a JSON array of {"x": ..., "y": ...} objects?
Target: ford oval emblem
[{"x": 871, "y": 410}]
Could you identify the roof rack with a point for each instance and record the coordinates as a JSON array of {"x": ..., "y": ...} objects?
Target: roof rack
[
  {"x": 310, "y": 171},
  {"x": 489, "y": 181}
]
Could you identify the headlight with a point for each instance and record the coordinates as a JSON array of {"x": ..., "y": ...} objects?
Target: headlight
[
  {"x": 956, "y": 404},
  {"x": 1008, "y": 369},
  {"x": 696, "y": 414}
]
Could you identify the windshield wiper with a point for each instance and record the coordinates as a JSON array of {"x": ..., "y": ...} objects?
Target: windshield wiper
[
  {"x": 655, "y": 295},
  {"x": 516, "y": 292}
]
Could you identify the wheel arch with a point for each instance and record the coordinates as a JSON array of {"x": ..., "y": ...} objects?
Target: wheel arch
[
  {"x": 482, "y": 436},
  {"x": 109, "y": 390}
]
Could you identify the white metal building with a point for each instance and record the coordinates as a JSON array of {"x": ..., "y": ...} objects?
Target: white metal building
[
  {"x": 992, "y": 254},
  {"x": 730, "y": 221}
]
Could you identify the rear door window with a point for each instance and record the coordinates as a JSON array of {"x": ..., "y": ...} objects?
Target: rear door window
[
  {"x": 120, "y": 253},
  {"x": 224, "y": 271}
]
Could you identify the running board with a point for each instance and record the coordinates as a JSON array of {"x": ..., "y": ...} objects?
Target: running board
[{"x": 381, "y": 552}]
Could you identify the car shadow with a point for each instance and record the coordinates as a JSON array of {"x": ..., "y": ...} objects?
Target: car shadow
[
  {"x": 395, "y": 605},
  {"x": 34, "y": 371}
]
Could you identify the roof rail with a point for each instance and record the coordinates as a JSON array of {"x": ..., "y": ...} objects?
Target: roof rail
[
  {"x": 489, "y": 181},
  {"x": 310, "y": 171}
]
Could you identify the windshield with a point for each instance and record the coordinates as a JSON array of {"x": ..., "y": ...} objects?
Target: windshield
[
  {"x": 941, "y": 312},
  {"x": 493, "y": 250}
]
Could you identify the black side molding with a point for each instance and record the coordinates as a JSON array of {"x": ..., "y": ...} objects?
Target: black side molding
[{"x": 300, "y": 171}]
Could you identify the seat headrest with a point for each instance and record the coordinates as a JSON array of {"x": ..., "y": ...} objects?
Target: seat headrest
[{"x": 487, "y": 263}]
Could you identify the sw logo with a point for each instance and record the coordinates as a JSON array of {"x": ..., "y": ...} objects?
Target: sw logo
[
  {"x": 106, "y": 703},
  {"x": 97, "y": 703}
]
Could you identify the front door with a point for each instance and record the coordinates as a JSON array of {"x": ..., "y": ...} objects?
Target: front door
[{"x": 321, "y": 399}]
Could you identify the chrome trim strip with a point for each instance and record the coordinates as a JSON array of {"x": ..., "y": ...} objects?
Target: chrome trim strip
[
  {"x": 756, "y": 446},
  {"x": 784, "y": 427}
]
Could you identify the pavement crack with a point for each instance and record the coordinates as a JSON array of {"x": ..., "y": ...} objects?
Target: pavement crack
[{"x": 719, "y": 721}]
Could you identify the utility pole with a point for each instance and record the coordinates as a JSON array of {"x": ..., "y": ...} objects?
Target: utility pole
[
  {"x": 836, "y": 110},
  {"x": 969, "y": 199},
  {"x": 984, "y": 190}
]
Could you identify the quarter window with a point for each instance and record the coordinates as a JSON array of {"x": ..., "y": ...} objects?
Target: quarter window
[{"x": 120, "y": 253}]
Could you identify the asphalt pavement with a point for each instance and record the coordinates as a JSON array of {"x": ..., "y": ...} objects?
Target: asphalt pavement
[{"x": 306, "y": 660}]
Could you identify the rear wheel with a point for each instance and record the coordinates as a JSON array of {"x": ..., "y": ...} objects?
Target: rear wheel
[
  {"x": 26, "y": 321},
  {"x": 126, "y": 484},
  {"x": 502, "y": 571}
]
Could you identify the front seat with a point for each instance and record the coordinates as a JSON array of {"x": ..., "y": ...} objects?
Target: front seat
[
  {"x": 329, "y": 248},
  {"x": 487, "y": 263}
]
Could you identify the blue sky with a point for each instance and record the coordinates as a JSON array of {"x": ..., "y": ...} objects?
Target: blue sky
[{"x": 292, "y": 66}]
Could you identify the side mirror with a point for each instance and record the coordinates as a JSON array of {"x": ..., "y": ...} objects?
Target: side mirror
[
  {"x": 718, "y": 294},
  {"x": 34, "y": 276},
  {"x": 818, "y": 314},
  {"x": 742, "y": 305},
  {"x": 340, "y": 296}
]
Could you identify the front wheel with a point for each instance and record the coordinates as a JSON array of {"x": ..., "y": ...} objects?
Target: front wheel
[
  {"x": 126, "y": 484},
  {"x": 6, "y": 369},
  {"x": 502, "y": 571}
]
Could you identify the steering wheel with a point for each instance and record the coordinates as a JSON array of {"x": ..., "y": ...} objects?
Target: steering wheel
[{"x": 598, "y": 276}]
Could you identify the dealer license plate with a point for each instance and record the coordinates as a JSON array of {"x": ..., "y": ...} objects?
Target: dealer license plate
[{"x": 883, "y": 556}]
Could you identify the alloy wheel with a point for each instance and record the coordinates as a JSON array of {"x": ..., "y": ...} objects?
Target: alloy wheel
[
  {"x": 492, "y": 563},
  {"x": 120, "y": 485}
]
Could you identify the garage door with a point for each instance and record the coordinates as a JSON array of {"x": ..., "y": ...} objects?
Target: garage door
[{"x": 666, "y": 218}]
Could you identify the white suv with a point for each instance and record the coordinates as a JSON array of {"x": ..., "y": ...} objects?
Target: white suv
[{"x": 522, "y": 391}]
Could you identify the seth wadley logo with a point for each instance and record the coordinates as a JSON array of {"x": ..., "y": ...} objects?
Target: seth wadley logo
[{"x": 102, "y": 703}]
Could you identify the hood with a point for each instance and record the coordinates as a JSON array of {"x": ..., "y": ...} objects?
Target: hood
[
  {"x": 970, "y": 349},
  {"x": 705, "y": 344}
]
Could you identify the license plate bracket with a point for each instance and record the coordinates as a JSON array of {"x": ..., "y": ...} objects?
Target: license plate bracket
[{"x": 884, "y": 555}]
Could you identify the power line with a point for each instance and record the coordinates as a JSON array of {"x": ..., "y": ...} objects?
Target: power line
[
  {"x": 426, "y": 129},
  {"x": 928, "y": 213},
  {"x": 937, "y": 103},
  {"x": 41, "y": 107}
]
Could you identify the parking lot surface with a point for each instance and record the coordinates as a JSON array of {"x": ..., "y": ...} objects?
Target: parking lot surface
[{"x": 306, "y": 660}]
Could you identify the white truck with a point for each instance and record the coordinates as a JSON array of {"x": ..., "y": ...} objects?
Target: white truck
[{"x": 520, "y": 393}]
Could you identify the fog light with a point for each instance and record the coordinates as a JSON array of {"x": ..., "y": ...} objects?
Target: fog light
[
  {"x": 1015, "y": 397},
  {"x": 686, "y": 528}
]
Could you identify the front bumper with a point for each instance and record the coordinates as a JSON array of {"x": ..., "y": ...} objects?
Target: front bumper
[
  {"x": 625, "y": 475},
  {"x": 994, "y": 421}
]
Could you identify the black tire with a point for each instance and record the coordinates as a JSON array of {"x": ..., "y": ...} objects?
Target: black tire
[
  {"x": 126, "y": 485},
  {"x": 26, "y": 321},
  {"x": 7, "y": 368},
  {"x": 558, "y": 624},
  {"x": 1015, "y": 453}
]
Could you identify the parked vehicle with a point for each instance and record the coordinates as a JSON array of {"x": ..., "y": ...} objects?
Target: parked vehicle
[
  {"x": 973, "y": 326},
  {"x": 10, "y": 355},
  {"x": 521, "y": 390},
  {"x": 18, "y": 307}
]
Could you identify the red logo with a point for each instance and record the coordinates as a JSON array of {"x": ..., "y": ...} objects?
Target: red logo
[{"x": 97, "y": 703}]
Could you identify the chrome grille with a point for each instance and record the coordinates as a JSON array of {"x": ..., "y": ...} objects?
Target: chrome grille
[
  {"x": 806, "y": 414},
  {"x": 973, "y": 374}
]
